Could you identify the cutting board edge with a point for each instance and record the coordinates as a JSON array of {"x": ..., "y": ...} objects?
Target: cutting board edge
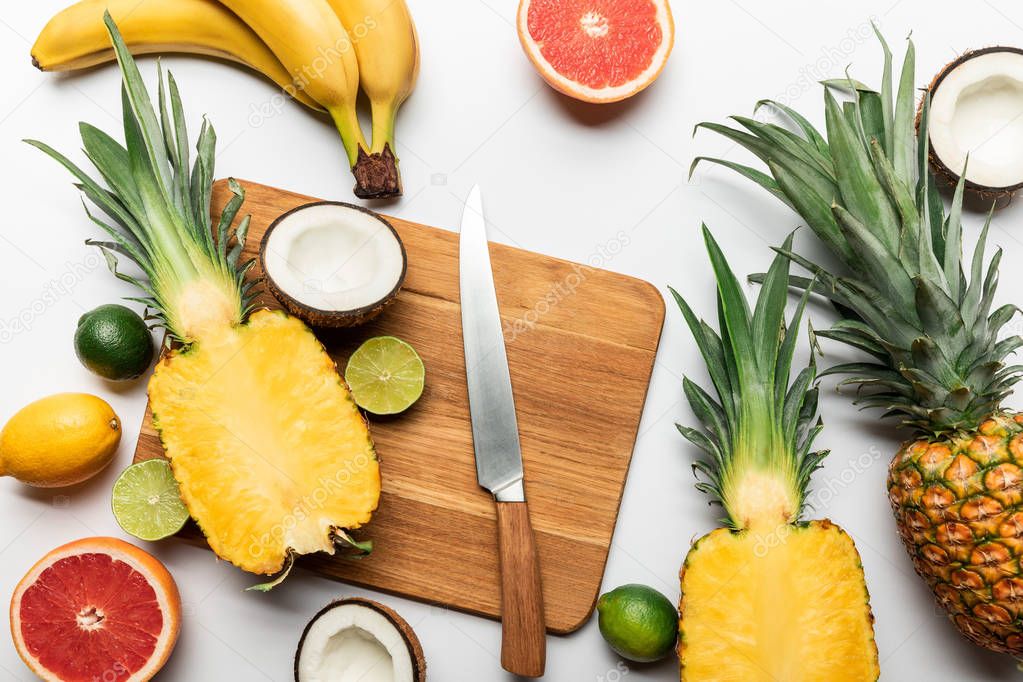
[
  {"x": 192, "y": 536},
  {"x": 662, "y": 316}
]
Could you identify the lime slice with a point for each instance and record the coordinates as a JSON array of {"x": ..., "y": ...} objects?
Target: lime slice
[
  {"x": 146, "y": 501},
  {"x": 386, "y": 375}
]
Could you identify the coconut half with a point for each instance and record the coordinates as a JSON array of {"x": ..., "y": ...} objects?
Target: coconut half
[
  {"x": 359, "y": 639},
  {"x": 333, "y": 264},
  {"x": 977, "y": 111}
]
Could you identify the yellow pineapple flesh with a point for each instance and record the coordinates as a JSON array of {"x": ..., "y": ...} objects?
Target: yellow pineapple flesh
[
  {"x": 269, "y": 448},
  {"x": 958, "y": 503},
  {"x": 763, "y": 606}
]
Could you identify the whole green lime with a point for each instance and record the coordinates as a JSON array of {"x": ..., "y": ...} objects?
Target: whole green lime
[
  {"x": 638, "y": 622},
  {"x": 114, "y": 342}
]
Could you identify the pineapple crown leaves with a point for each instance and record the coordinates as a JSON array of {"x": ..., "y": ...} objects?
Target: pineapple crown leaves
[
  {"x": 866, "y": 191},
  {"x": 760, "y": 420},
  {"x": 157, "y": 212}
]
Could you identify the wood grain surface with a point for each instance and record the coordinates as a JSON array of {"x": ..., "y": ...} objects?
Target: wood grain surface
[
  {"x": 523, "y": 643},
  {"x": 581, "y": 346}
]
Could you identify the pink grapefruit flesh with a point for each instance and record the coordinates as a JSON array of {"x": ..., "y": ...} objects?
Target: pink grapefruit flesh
[
  {"x": 96, "y": 609},
  {"x": 597, "y": 50}
]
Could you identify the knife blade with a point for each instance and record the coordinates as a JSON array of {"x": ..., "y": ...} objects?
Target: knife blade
[
  {"x": 495, "y": 438},
  {"x": 495, "y": 429}
]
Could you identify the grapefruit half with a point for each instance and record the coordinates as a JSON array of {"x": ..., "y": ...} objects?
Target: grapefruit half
[
  {"x": 96, "y": 609},
  {"x": 597, "y": 50}
]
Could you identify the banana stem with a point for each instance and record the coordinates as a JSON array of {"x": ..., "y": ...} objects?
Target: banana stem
[
  {"x": 376, "y": 171},
  {"x": 377, "y": 175},
  {"x": 347, "y": 122},
  {"x": 384, "y": 114}
]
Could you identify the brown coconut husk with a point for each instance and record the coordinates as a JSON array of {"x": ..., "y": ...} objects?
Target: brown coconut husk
[{"x": 979, "y": 197}]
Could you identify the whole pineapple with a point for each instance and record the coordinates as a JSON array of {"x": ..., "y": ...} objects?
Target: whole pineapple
[
  {"x": 957, "y": 499},
  {"x": 930, "y": 331}
]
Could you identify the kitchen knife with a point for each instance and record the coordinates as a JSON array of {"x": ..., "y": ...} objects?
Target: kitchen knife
[{"x": 495, "y": 438}]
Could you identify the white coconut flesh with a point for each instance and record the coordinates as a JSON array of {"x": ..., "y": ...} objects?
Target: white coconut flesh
[
  {"x": 977, "y": 110},
  {"x": 354, "y": 643},
  {"x": 334, "y": 258}
]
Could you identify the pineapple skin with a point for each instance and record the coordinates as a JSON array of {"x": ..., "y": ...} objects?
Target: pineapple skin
[{"x": 958, "y": 504}]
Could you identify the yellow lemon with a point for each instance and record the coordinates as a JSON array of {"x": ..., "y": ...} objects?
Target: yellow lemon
[{"x": 59, "y": 440}]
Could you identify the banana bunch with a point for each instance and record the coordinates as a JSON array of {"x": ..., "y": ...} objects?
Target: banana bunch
[{"x": 318, "y": 51}]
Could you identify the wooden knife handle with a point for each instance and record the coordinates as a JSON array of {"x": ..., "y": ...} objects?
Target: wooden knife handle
[{"x": 524, "y": 636}]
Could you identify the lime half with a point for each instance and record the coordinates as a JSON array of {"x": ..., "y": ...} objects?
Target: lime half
[
  {"x": 386, "y": 375},
  {"x": 146, "y": 501}
]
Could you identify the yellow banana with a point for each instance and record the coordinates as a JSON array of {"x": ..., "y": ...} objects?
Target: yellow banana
[
  {"x": 387, "y": 48},
  {"x": 312, "y": 43},
  {"x": 77, "y": 39}
]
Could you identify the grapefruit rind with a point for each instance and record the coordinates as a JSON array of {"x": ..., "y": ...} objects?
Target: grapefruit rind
[
  {"x": 606, "y": 95},
  {"x": 157, "y": 575}
]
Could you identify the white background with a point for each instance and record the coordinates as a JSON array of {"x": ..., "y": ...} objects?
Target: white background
[{"x": 559, "y": 178}]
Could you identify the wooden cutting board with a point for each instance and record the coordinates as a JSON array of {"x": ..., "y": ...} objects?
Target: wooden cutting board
[{"x": 581, "y": 345}]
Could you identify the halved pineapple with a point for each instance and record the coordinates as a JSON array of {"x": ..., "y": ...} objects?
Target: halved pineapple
[
  {"x": 269, "y": 448},
  {"x": 273, "y": 457},
  {"x": 769, "y": 598},
  {"x": 789, "y": 605}
]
